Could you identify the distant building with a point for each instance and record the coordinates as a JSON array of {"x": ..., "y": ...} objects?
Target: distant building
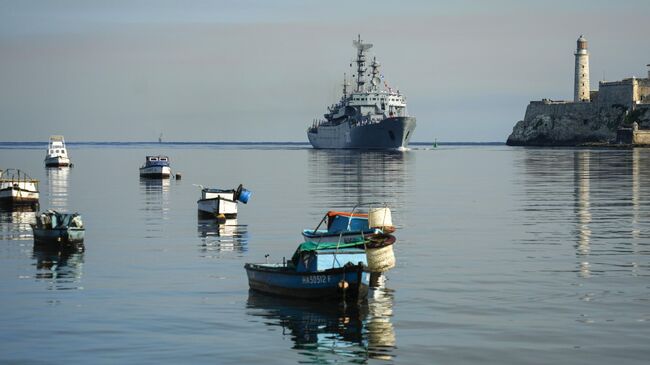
[
  {"x": 630, "y": 93},
  {"x": 593, "y": 116}
]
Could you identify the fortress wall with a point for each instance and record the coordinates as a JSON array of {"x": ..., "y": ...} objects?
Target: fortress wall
[
  {"x": 617, "y": 92},
  {"x": 643, "y": 90},
  {"x": 557, "y": 109},
  {"x": 641, "y": 137}
]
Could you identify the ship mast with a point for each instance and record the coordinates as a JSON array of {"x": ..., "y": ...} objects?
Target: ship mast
[
  {"x": 345, "y": 86},
  {"x": 374, "y": 81},
  {"x": 361, "y": 62}
]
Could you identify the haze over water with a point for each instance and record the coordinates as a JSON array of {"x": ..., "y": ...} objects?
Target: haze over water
[{"x": 504, "y": 255}]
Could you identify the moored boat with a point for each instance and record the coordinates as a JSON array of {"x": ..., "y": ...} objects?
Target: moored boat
[
  {"x": 18, "y": 188},
  {"x": 55, "y": 228},
  {"x": 221, "y": 203},
  {"x": 156, "y": 167},
  {"x": 341, "y": 227},
  {"x": 57, "y": 153},
  {"x": 351, "y": 226},
  {"x": 316, "y": 271}
]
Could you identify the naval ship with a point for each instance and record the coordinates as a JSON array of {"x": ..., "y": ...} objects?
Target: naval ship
[{"x": 372, "y": 116}]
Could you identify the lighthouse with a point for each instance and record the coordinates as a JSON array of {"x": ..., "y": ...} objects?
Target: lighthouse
[{"x": 581, "y": 85}]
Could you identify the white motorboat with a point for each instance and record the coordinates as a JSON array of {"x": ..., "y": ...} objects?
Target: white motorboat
[
  {"x": 156, "y": 167},
  {"x": 16, "y": 187},
  {"x": 57, "y": 154},
  {"x": 221, "y": 203}
]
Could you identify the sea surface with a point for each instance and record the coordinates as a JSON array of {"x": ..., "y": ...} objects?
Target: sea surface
[{"x": 504, "y": 256}]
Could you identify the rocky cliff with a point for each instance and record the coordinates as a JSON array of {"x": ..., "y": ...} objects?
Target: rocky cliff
[{"x": 570, "y": 124}]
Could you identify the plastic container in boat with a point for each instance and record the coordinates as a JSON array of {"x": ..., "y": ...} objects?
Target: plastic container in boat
[
  {"x": 380, "y": 259},
  {"x": 380, "y": 218},
  {"x": 244, "y": 195}
]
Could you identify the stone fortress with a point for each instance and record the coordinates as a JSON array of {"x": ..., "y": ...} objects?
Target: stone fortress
[{"x": 618, "y": 112}]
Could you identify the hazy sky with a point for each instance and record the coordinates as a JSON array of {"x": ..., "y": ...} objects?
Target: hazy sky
[{"x": 262, "y": 70}]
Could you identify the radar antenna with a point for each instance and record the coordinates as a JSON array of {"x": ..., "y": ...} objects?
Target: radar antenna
[{"x": 361, "y": 61}]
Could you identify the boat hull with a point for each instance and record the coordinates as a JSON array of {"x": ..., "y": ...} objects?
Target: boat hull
[
  {"x": 17, "y": 196},
  {"x": 390, "y": 133},
  {"x": 210, "y": 208},
  {"x": 155, "y": 172},
  {"x": 59, "y": 236},
  {"x": 57, "y": 161},
  {"x": 326, "y": 284}
]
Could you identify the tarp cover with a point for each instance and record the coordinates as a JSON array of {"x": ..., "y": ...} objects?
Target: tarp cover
[{"x": 313, "y": 246}]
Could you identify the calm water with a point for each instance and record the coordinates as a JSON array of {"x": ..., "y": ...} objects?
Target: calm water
[{"x": 505, "y": 256}]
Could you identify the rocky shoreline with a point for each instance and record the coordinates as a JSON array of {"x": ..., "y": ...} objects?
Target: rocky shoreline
[{"x": 571, "y": 124}]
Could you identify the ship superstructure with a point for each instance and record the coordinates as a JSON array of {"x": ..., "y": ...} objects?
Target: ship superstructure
[{"x": 372, "y": 116}]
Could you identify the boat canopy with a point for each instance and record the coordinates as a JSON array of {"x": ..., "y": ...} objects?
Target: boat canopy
[{"x": 310, "y": 246}]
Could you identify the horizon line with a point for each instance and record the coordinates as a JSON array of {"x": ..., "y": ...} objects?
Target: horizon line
[{"x": 241, "y": 142}]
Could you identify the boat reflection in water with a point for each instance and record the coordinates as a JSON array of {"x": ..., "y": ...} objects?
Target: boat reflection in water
[
  {"x": 61, "y": 269},
  {"x": 15, "y": 222},
  {"x": 222, "y": 237},
  {"x": 155, "y": 208},
  {"x": 57, "y": 187},
  {"x": 330, "y": 332},
  {"x": 340, "y": 179}
]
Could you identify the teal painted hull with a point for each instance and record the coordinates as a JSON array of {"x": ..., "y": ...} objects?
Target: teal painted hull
[{"x": 62, "y": 236}]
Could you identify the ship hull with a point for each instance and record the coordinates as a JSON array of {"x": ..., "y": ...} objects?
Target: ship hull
[{"x": 389, "y": 134}]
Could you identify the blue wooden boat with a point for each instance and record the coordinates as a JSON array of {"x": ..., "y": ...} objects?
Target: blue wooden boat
[
  {"x": 316, "y": 271},
  {"x": 60, "y": 229},
  {"x": 342, "y": 227}
]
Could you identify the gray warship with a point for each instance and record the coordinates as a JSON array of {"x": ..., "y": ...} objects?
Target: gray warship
[{"x": 372, "y": 116}]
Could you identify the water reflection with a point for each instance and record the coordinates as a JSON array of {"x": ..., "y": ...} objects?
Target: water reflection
[
  {"x": 57, "y": 187},
  {"x": 222, "y": 237},
  {"x": 340, "y": 179},
  {"x": 61, "y": 269},
  {"x": 636, "y": 192},
  {"x": 598, "y": 199},
  {"x": 155, "y": 194},
  {"x": 15, "y": 222},
  {"x": 582, "y": 208},
  {"x": 329, "y": 332}
]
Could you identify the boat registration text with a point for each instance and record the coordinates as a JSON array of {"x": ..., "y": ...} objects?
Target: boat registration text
[{"x": 316, "y": 279}]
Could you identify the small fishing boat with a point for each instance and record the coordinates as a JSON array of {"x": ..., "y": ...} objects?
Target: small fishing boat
[
  {"x": 351, "y": 226},
  {"x": 18, "y": 188},
  {"x": 341, "y": 226},
  {"x": 57, "y": 154},
  {"x": 316, "y": 271},
  {"x": 220, "y": 203},
  {"x": 62, "y": 229},
  {"x": 156, "y": 167}
]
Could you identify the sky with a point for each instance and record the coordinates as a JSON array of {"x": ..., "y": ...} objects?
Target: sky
[{"x": 226, "y": 71}]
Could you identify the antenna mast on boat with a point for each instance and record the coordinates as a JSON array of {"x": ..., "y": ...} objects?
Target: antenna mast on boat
[
  {"x": 374, "y": 81},
  {"x": 361, "y": 61}
]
